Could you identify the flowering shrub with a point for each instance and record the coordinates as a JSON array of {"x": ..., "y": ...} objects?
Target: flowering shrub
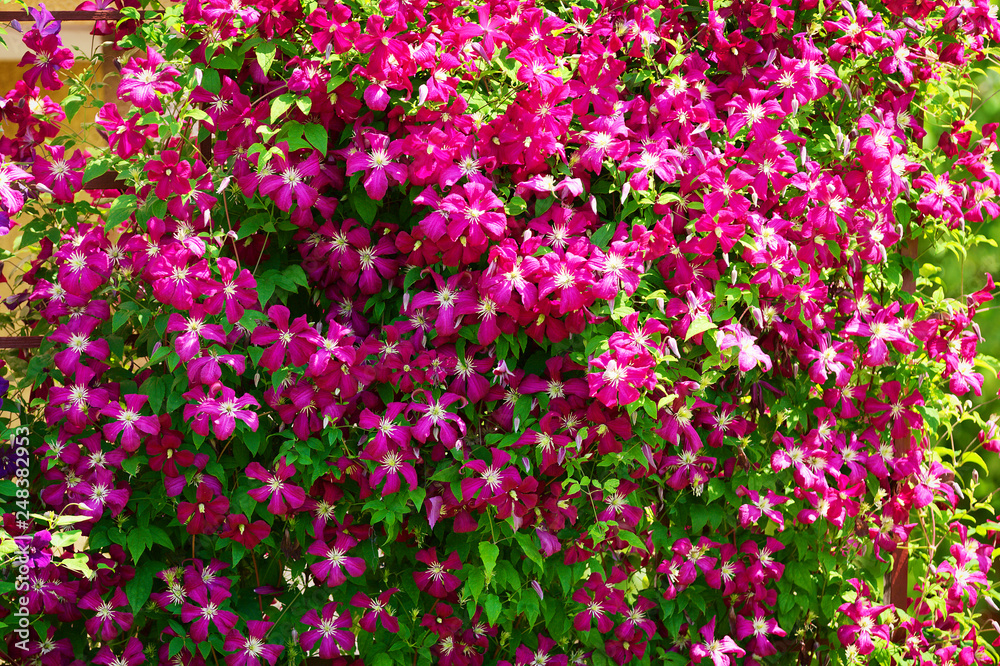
[{"x": 515, "y": 333}]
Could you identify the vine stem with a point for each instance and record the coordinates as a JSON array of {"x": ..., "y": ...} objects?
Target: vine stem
[{"x": 256, "y": 572}]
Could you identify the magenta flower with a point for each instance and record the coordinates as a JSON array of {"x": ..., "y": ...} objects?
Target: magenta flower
[
  {"x": 233, "y": 293},
  {"x": 208, "y": 612},
  {"x": 11, "y": 199},
  {"x": 282, "y": 497},
  {"x": 224, "y": 410},
  {"x": 617, "y": 507},
  {"x": 829, "y": 357},
  {"x": 336, "y": 563},
  {"x": 46, "y": 55},
  {"x": 143, "y": 79},
  {"x": 188, "y": 343},
  {"x": 864, "y": 617},
  {"x": 492, "y": 479},
  {"x": 206, "y": 513},
  {"x": 331, "y": 629},
  {"x": 132, "y": 655},
  {"x": 757, "y": 629},
  {"x": 127, "y": 421},
  {"x": 239, "y": 528},
  {"x": 332, "y": 26},
  {"x": 61, "y": 175},
  {"x": 207, "y": 368},
  {"x": 600, "y": 604},
  {"x": 76, "y": 335},
  {"x": 763, "y": 505},
  {"x": 543, "y": 656},
  {"x": 252, "y": 649},
  {"x": 436, "y": 421},
  {"x": 476, "y": 213},
  {"x": 734, "y": 335},
  {"x": 377, "y": 611},
  {"x": 288, "y": 179},
  {"x": 618, "y": 381},
  {"x": 107, "y": 622},
  {"x": 175, "y": 280},
  {"x": 296, "y": 342},
  {"x": 127, "y": 137},
  {"x": 378, "y": 164},
  {"x": 880, "y": 329},
  {"x": 436, "y": 581},
  {"x": 390, "y": 467},
  {"x": 717, "y": 649},
  {"x": 76, "y": 399}
]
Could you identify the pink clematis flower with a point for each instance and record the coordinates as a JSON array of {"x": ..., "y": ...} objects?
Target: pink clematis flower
[
  {"x": 194, "y": 329},
  {"x": 108, "y": 622},
  {"x": 436, "y": 581},
  {"x": 378, "y": 164},
  {"x": 288, "y": 179},
  {"x": 61, "y": 175},
  {"x": 235, "y": 291},
  {"x": 376, "y": 611},
  {"x": 11, "y": 199},
  {"x": 46, "y": 55},
  {"x": 332, "y": 630},
  {"x": 206, "y": 513},
  {"x": 143, "y": 79},
  {"x": 127, "y": 421},
  {"x": 132, "y": 655},
  {"x": 296, "y": 342},
  {"x": 716, "y": 649},
  {"x": 208, "y": 612},
  {"x": 252, "y": 649},
  {"x": 335, "y": 566},
  {"x": 283, "y": 497}
]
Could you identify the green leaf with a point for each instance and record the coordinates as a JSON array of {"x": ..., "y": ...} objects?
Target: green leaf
[
  {"x": 155, "y": 389},
  {"x": 296, "y": 276},
  {"x": 633, "y": 540},
  {"x": 475, "y": 584},
  {"x": 95, "y": 168},
  {"x": 489, "y": 552},
  {"x": 602, "y": 236},
  {"x": 121, "y": 315},
  {"x": 317, "y": 137},
  {"x": 699, "y": 325},
  {"x": 366, "y": 207},
  {"x": 265, "y": 289},
  {"x": 227, "y": 61},
  {"x": 176, "y": 645},
  {"x": 280, "y": 105},
  {"x": 492, "y": 606},
  {"x": 974, "y": 458},
  {"x": 71, "y": 104},
  {"x": 252, "y": 224},
  {"x": 527, "y": 542},
  {"x": 699, "y": 518},
  {"x": 522, "y": 410},
  {"x": 137, "y": 590},
  {"x": 121, "y": 210},
  {"x": 65, "y": 539},
  {"x": 516, "y": 206},
  {"x": 252, "y": 441},
  {"x": 139, "y": 540},
  {"x": 265, "y": 56}
]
